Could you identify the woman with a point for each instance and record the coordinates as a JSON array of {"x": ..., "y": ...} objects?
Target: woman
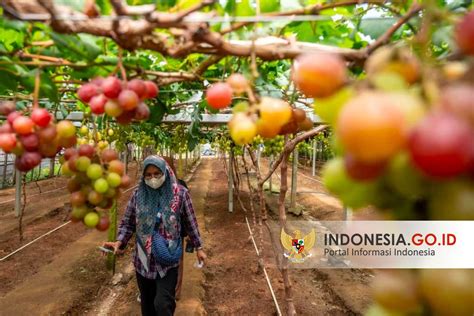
[{"x": 158, "y": 207}]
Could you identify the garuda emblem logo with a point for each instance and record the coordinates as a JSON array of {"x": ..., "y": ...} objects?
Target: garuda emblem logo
[{"x": 297, "y": 247}]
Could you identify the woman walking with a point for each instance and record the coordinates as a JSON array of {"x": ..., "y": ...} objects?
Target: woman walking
[{"x": 157, "y": 212}]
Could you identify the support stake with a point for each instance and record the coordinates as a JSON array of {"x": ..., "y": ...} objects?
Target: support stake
[
  {"x": 294, "y": 179},
  {"x": 231, "y": 181},
  {"x": 18, "y": 193}
]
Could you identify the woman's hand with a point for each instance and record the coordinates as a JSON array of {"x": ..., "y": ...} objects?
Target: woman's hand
[
  {"x": 115, "y": 245},
  {"x": 201, "y": 255}
]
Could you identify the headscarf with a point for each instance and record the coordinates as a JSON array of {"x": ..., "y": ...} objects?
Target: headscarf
[{"x": 155, "y": 205}]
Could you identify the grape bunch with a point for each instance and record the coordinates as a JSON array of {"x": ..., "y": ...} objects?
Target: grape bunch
[
  {"x": 268, "y": 117},
  {"x": 404, "y": 143},
  {"x": 35, "y": 137},
  {"x": 96, "y": 178},
  {"x": 119, "y": 99}
]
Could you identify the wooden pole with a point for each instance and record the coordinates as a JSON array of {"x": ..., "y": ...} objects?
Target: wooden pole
[
  {"x": 290, "y": 306},
  {"x": 51, "y": 166},
  {"x": 271, "y": 176},
  {"x": 17, "y": 193},
  {"x": 231, "y": 181},
  {"x": 314, "y": 158},
  {"x": 294, "y": 178}
]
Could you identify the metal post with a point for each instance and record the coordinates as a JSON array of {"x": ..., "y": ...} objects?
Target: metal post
[
  {"x": 51, "y": 166},
  {"x": 17, "y": 193},
  {"x": 186, "y": 162},
  {"x": 294, "y": 170},
  {"x": 4, "y": 177},
  {"x": 347, "y": 213},
  {"x": 314, "y": 158},
  {"x": 231, "y": 182}
]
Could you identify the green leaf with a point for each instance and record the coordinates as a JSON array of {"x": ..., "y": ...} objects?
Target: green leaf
[
  {"x": 47, "y": 87},
  {"x": 243, "y": 8},
  {"x": 269, "y": 6},
  {"x": 376, "y": 27},
  {"x": 77, "y": 47},
  {"x": 11, "y": 39}
]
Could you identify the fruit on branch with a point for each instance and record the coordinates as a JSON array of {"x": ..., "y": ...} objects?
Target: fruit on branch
[
  {"x": 363, "y": 171},
  {"x": 299, "y": 115},
  {"x": 464, "y": 34},
  {"x": 94, "y": 171},
  {"x": 458, "y": 99},
  {"x": 86, "y": 150},
  {"x": 242, "y": 129},
  {"x": 66, "y": 129},
  {"x": 96, "y": 180},
  {"x": 151, "y": 90},
  {"x": 41, "y": 117},
  {"x": 103, "y": 224},
  {"x": 397, "y": 290},
  {"x": 398, "y": 60},
  {"x": 238, "y": 83},
  {"x": 111, "y": 87},
  {"x": 371, "y": 127},
  {"x": 27, "y": 161},
  {"x": 91, "y": 219},
  {"x": 319, "y": 75},
  {"x": 87, "y": 92},
  {"x": 23, "y": 125},
  {"x": 6, "y": 107},
  {"x": 97, "y": 104},
  {"x": 112, "y": 108},
  {"x": 108, "y": 155},
  {"x": 441, "y": 145},
  {"x": 118, "y": 99},
  {"x": 448, "y": 291},
  {"x": 142, "y": 112},
  {"x": 452, "y": 200},
  {"x": 126, "y": 117},
  {"x": 30, "y": 142},
  {"x": 38, "y": 135},
  {"x": 404, "y": 179},
  {"x": 306, "y": 125},
  {"x": 7, "y": 142},
  {"x": 138, "y": 86},
  {"x": 128, "y": 100},
  {"x": 219, "y": 95}
]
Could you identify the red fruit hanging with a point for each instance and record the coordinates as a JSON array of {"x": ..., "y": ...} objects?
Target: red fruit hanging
[
  {"x": 7, "y": 142},
  {"x": 87, "y": 91},
  {"x": 219, "y": 95},
  {"x": 23, "y": 125},
  {"x": 97, "y": 104},
  {"x": 441, "y": 145},
  {"x": 138, "y": 86},
  {"x": 30, "y": 142},
  {"x": 111, "y": 87},
  {"x": 464, "y": 34},
  {"x": 41, "y": 117},
  {"x": 151, "y": 90},
  {"x": 128, "y": 100}
]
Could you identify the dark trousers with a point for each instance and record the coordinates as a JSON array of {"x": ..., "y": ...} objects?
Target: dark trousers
[{"x": 158, "y": 296}]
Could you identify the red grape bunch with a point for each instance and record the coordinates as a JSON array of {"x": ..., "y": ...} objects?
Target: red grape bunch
[
  {"x": 119, "y": 99},
  {"x": 96, "y": 179},
  {"x": 35, "y": 137}
]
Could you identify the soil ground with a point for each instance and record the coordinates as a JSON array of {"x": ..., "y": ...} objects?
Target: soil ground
[{"x": 64, "y": 274}]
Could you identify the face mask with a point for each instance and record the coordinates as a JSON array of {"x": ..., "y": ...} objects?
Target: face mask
[{"x": 155, "y": 183}]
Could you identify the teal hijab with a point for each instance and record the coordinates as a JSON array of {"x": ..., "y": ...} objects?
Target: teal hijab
[{"x": 157, "y": 205}]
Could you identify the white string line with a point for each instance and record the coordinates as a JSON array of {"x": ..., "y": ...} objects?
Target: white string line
[
  {"x": 46, "y": 234},
  {"x": 264, "y": 270}
]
